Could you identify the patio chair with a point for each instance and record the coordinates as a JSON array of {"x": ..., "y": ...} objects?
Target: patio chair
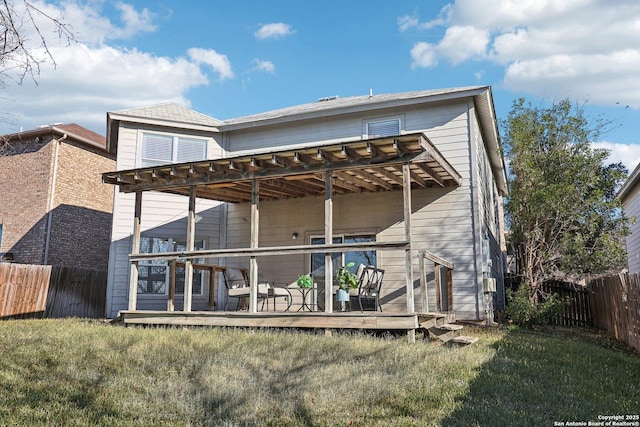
[
  {"x": 237, "y": 283},
  {"x": 268, "y": 291},
  {"x": 369, "y": 286}
]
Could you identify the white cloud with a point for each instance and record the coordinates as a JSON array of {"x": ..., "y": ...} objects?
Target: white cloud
[
  {"x": 424, "y": 55},
  {"x": 218, "y": 62},
  {"x": 92, "y": 77},
  {"x": 406, "y": 22},
  {"x": 457, "y": 45},
  {"x": 462, "y": 43},
  {"x": 135, "y": 22},
  {"x": 91, "y": 26},
  {"x": 273, "y": 31},
  {"x": 266, "y": 66},
  {"x": 627, "y": 154},
  {"x": 578, "y": 48},
  {"x": 88, "y": 82}
]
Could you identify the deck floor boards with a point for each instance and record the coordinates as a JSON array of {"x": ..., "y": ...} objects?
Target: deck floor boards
[{"x": 321, "y": 320}]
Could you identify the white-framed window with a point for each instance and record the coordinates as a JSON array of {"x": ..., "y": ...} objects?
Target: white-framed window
[
  {"x": 153, "y": 275},
  {"x": 161, "y": 149},
  {"x": 342, "y": 258},
  {"x": 377, "y": 128}
]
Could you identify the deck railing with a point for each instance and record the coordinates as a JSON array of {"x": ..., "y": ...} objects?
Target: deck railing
[{"x": 425, "y": 256}]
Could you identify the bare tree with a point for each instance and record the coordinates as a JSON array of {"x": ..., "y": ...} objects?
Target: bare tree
[
  {"x": 21, "y": 55},
  {"x": 24, "y": 44}
]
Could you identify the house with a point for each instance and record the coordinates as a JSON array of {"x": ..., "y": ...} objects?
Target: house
[
  {"x": 629, "y": 195},
  {"x": 409, "y": 182},
  {"x": 54, "y": 208}
]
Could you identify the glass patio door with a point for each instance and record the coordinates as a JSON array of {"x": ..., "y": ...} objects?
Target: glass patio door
[{"x": 339, "y": 259}]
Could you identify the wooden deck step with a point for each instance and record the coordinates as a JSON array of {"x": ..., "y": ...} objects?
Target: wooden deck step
[
  {"x": 451, "y": 327},
  {"x": 445, "y": 331},
  {"x": 464, "y": 340}
]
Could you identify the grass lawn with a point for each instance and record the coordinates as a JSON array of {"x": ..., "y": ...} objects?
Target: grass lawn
[{"x": 77, "y": 372}]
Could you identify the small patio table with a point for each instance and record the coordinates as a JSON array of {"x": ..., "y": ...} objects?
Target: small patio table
[{"x": 305, "y": 292}]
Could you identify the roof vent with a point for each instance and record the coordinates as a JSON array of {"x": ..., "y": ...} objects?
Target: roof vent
[{"x": 328, "y": 98}]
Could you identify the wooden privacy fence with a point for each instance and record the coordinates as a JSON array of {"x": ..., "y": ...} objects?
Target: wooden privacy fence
[
  {"x": 577, "y": 311},
  {"x": 43, "y": 291},
  {"x": 615, "y": 303}
]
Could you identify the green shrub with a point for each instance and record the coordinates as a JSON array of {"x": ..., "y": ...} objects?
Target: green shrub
[{"x": 521, "y": 310}]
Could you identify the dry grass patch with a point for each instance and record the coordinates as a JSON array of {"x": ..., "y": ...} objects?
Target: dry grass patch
[{"x": 74, "y": 372}]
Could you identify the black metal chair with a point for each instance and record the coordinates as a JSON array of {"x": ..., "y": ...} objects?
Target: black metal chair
[{"x": 369, "y": 287}]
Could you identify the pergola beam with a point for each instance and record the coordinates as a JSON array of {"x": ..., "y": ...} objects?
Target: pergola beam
[{"x": 369, "y": 162}]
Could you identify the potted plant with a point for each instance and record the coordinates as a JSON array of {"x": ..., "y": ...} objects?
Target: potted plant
[
  {"x": 346, "y": 280},
  {"x": 304, "y": 281}
]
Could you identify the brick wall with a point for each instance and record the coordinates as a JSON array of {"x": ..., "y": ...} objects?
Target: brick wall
[
  {"x": 82, "y": 204},
  {"x": 81, "y": 218},
  {"x": 25, "y": 173}
]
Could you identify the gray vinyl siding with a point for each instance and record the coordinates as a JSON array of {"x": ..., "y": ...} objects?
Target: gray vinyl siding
[
  {"x": 489, "y": 213},
  {"x": 163, "y": 215},
  {"x": 631, "y": 206},
  {"x": 445, "y": 221},
  {"x": 441, "y": 220}
]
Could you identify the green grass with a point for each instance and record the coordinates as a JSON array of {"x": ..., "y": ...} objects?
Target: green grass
[{"x": 75, "y": 372}]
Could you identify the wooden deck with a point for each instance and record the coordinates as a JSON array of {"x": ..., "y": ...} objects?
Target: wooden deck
[{"x": 317, "y": 320}]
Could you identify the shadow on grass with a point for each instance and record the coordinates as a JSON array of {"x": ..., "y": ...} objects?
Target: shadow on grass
[{"x": 555, "y": 375}]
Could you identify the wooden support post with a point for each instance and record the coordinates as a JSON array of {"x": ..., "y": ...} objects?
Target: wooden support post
[
  {"x": 328, "y": 239},
  {"x": 135, "y": 249},
  {"x": 438, "y": 282},
  {"x": 406, "y": 199},
  {"x": 424, "y": 297},
  {"x": 212, "y": 287},
  {"x": 191, "y": 234},
  {"x": 411, "y": 336},
  {"x": 450, "y": 289},
  {"x": 172, "y": 286},
  {"x": 253, "y": 263}
]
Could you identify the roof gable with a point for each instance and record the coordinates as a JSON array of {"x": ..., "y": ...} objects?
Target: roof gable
[{"x": 172, "y": 112}]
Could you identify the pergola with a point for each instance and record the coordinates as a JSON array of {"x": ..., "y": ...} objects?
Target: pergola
[{"x": 397, "y": 163}]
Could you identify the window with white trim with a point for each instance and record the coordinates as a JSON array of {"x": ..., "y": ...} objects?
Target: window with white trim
[
  {"x": 161, "y": 149},
  {"x": 153, "y": 275},
  {"x": 385, "y": 127}
]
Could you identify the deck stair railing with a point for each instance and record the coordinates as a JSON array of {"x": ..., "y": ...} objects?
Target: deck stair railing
[
  {"x": 439, "y": 264},
  {"x": 441, "y": 324}
]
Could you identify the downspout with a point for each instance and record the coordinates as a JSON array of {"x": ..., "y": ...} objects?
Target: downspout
[{"x": 52, "y": 195}]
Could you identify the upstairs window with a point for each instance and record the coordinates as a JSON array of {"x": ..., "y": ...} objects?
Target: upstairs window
[
  {"x": 160, "y": 149},
  {"x": 381, "y": 128}
]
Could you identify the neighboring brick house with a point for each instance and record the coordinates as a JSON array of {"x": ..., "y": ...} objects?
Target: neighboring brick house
[{"x": 54, "y": 208}]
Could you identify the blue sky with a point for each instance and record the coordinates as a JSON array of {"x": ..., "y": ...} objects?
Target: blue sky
[{"x": 229, "y": 59}]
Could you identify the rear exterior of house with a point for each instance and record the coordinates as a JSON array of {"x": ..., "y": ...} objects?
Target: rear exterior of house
[
  {"x": 54, "y": 207},
  {"x": 629, "y": 194},
  {"x": 462, "y": 224}
]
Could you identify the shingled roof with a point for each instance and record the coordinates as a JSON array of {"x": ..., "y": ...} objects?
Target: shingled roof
[{"x": 171, "y": 111}]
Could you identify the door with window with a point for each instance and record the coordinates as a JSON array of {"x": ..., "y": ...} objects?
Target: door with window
[{"x": 341, "y": 258}]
